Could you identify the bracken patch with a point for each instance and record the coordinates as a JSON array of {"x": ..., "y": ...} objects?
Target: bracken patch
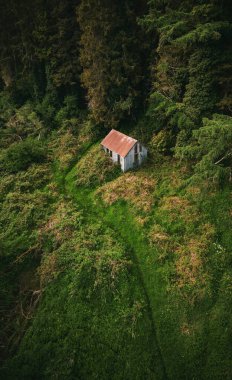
[
  {"x": 95, "y": 168},
  {"x": 192, "y": 276},
  {"x": 179, "y": 207},
  {"x": 158, "y": 237},
  {"x": 136, "y": 189}
]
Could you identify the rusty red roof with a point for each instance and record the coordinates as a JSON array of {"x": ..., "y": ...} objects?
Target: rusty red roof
[{"x": 118, "y": 142}]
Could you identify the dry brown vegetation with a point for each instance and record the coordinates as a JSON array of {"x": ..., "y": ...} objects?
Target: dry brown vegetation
[
  {"x": 158, "y": 237},
  {"x": 95, "y": 168},
  {"x": 69, "y": 141},
  {"x": 191, "y": 263},
  {"x": 177, "y": 206},
  {"x": 48, "y": 269},
  {"x": 62, "y": 223},
  {"x": 136, "y": 189}
]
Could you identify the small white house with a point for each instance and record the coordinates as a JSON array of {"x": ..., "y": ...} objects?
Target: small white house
[{"x": 124, "y": 150}]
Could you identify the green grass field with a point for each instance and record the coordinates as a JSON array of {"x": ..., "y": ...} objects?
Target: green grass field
[{"x": 135, "y": 277}]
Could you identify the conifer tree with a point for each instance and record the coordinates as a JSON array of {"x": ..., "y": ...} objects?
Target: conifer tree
[
  {"x": 210, "y": 149},
  {"x": 111, "y": 57},
  {"x": 193, "y": 69}
]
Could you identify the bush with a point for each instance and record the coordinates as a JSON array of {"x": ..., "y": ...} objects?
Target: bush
[
  {"x": 211, "y": 148},
  {"x": 69, "y": 110},
  {"x": 20, "y": 156},
  {"x": 161, "y": 142},
  {"x": 48, "y": 107},
  {"x": 95, "y": 168},
  {"x": 20, "y": 124},
  {"x": 6, "y": 106}
]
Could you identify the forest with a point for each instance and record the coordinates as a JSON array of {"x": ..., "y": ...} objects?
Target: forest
[{"x": 103, "y": 274}]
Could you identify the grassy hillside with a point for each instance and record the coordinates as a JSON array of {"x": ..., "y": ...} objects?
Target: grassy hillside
[
  {"x": 103, "y": 274},
  {"x": 123, "y": 276}
]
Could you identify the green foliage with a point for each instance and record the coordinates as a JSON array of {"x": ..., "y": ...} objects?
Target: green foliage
[
  {"x": 6, "y": 107},
  {"x": 59, "y": 46},
  {"x": 36, "y": 40},
  {"x": 193, "y": 50},
  {"x": 210, "y": 149},
  {"x": 111, "y": 55},
  {"x": 35, "y": 177},
  {"x": 70, "y": 110},
  {"x": 106, "y": 275},
  {"x": 47, "y": 108},
  {"x": 86, "y": 272},
  {"x": 20, "y": 124},
  {"x": 20, "y": 216},
  {"x": 23, "y": 209},
  {"x": 161, "y": 142},
  {"x": 95, "y": 168},
  {"x": 19, "y": 156}
]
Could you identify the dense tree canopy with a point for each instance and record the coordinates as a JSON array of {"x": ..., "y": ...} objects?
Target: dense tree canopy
[
  {"x": 193, "y": 69},
  {"x": 112, "y": 50}
]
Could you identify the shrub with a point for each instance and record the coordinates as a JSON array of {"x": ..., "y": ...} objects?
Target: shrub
[
  {"x": 70, "y": 110},
  {"x": 48, "y": 107},
  {"x": 211, "y": 148},
  {"x": 135, "y": 188},
  {"x": 161, "y": 142},
  {"x": 25, "y": 122},
  {"x": 95, "y": 168},
  {"x": 20, "y": 156},
  {"x": 6, "y": 105},
  {"x": 21, "y": 214},
  {"x": 20, "y": 124},
  {"x": 36, "y": 177}
]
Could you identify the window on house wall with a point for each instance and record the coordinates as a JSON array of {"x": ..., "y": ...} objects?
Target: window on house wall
[
  {"x": 140, "y": 147},
  {"x": 110, "y": 153},
  {"x": 118, "y": 159}
]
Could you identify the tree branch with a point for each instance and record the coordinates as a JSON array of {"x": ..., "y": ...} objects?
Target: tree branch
[{"x": 223, "y": 158}]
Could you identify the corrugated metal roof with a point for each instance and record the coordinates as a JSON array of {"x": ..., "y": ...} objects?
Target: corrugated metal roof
[{"x": 118, "y": 142}]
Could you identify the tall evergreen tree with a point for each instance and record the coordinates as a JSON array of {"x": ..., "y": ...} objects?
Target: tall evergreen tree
[
  {"x": 57, "y": 37},
  {"x": 193, "y": 68},
  {"x": 112, "y": 57}
]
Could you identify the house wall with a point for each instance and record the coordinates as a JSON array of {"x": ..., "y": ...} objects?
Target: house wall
[
  {"x": 114, "y": 157},
  {"x": 130, "y": 158},
  {"x": 129, "y": 161}
]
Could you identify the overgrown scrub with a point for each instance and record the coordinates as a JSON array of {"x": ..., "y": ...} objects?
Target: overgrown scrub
[
  {"x": 20, "y": 123},
  {"x": 24, "y": 207},
  {"x": 183, "y": 250},
  {"x": 98, "y": 306},
  {"x": 95, "y": 168},
  {"x": 69, "y": 142},
  {"x": 35, "y": 177},
  {"x": 20, "y": 155},
  {"x": 183, "y": 236},
  {"x": 135, "y": 188},
  {"x": 210, "y": 148},
  {"x": 90, "y": 249},
  {"x": 20, "y": 216}
]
